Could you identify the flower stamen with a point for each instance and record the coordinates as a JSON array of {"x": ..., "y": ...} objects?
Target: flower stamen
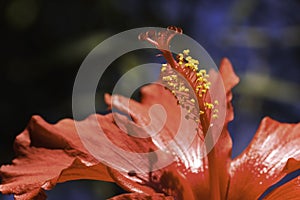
[
  {"x": 203, "y": 109},
  {"x": 179, "y": 87}
]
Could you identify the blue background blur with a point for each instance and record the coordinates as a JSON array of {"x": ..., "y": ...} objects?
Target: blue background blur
[{"x": 44, "y": 42}]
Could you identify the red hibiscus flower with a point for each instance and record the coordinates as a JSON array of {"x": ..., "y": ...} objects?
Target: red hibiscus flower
[{"x": 50, "y": 154}]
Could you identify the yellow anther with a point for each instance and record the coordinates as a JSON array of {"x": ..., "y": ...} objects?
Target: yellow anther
[
  {"x": 216, "y": 111},
  {"x": 215, "y": 116},
  {"x": 186, "y": 51},
  {"x": 206, "y": 86},
  {"x": 200, "y": 79},
  {"x": 186, "y": 90},
  {"x": 181, "y": 88},
  {"x": 164, "y": 65},
  {"x": 198, "y": 88},
  {"x": 193, "y": 68},
  {"x": 188, "y": 58},
  {"x": 203, "y": 91},
  {"x": 201, "y": 112},
  {"x": 202, "y": 71},
  {"x": 209, "y": 105},
  {"x": 216, "y": 102},
  {"x": 163, "y": 69},
  {"x": 193, "y": 100},
  {"x": 195, "y": 62}
]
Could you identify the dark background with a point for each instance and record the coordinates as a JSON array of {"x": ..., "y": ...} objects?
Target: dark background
[{"x": 43, "y": 43}]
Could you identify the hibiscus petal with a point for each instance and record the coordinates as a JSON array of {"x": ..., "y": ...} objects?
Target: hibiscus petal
[
  {"x": 220, "y": 155},
  {"x": 128, "y": 106},
  {"x": 230, "y": 80},
  {"x": 266, "y": 160},
  {"x": 136, "y": 109},
  {"x": 157, "y": 94},
  {"x": 140, "y": 112},
  {"x": 139, "y": 196},
  {"x": 162, "y": 129},
  {"x": 36, "y": 194},
  {"x": 167, "y": 181},
  {"x": 39, "y": 169},
  {"x": 223, "y": 146},
  {"x": 48, "y": 154},
  {"x": 290, "y": 190},
  {"x": 229, "y": 77}
]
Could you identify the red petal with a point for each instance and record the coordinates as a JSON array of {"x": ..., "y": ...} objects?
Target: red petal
[
  {"x": 220, "y": 156},
  {"x": 36, "y": 194},
  {"x": 48, "y": 154},
  {"x": 224, "y": 144},
  {"x": 215, "y": 158},
  {"x": 230, "y": 79},
  {"x": 128, "y": 106},
  {"x": 157, "y": 94},
  {"x": 290, "y": 190},
  {"x": 153, "y": 121},
  {"x": 266, "y": 160},
  {"x": 139, "y": 196},
  {"x": 221, "y": 163},
  {"x": 151, "y": 95},
  {"x": 167, "y": 180}
]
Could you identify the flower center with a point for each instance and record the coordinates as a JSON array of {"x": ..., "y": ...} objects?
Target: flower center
[
  {"x": 183, "y": 78},
  {"x": 190, "y": 89}
]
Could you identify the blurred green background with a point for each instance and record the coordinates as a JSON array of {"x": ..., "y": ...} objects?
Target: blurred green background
[{"x": 44, "y": 42}]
